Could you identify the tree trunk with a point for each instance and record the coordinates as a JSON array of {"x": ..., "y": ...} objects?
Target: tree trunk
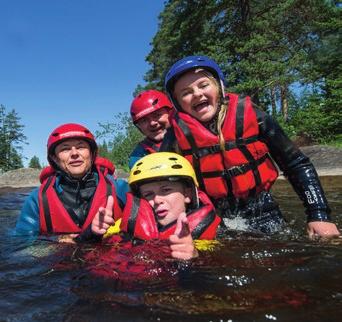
[
  {"x": 273, "y": 101},
  {"x": 284, "y": 102}
]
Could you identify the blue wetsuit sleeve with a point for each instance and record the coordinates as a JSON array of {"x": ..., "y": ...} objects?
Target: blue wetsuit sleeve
[
  {"x": 136, "y": 155},
  {"x": 28, "y": 220},
  {"x": 121, "y": 187}
]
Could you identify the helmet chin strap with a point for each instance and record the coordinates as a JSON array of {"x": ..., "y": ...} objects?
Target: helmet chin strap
[{"x": 195, "y": 200}]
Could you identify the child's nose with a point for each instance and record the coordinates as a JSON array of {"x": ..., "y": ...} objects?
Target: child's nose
[
  {"x": 158, "y": 199},
  {"x": 197, "y": 91}
]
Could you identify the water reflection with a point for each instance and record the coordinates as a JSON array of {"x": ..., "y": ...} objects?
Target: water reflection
[{"x": 247, "y": 277}]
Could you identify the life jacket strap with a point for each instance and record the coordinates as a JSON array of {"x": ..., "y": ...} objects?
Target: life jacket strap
[
  {"x": 237, "y": 170},
  {"x": 194, "y": 148},
  {"x": 47, "y": 213},
  {"x": 229, "y": 145}
]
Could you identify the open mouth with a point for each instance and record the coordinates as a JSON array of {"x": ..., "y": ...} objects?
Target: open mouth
[{"x": 200, "y": 106}]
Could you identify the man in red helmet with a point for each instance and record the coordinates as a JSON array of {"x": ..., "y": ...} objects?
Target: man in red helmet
[
  {"x": 75, "y": 187},
  {"x": 150, "y": 113}
]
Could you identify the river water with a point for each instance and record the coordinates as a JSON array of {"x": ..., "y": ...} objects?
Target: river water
[{"x": 244, "y": 278}]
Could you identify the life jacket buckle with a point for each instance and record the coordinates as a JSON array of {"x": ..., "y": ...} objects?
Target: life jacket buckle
[
  {"x": 196, "y": 155},
  {"x": 240, "y": 142},
  {"x": 213, "y": 149},
  {"x": 234, "y": 171}
]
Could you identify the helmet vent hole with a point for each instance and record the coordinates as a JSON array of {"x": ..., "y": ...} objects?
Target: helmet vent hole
[
  {"x": 139, "y": 164},
  {"x": 155, "y": 101},
  {"x": 55, "y": 134},
  {"x": 173, "y": 159},
  {"x": 136, "y": 172},
  {"x": 176, "y": 166}
]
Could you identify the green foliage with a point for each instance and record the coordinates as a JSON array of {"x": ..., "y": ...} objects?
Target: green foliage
[
  {"x": 288, "y": 127},
  {"x": 11, "y": 139},
  {"x": 313, "y": 121},
  {"x": 336, "y": 142},
  {"x": 34, "y": 163},
  {"x": 122, "y": 137},
  {"x": 264, "y": 49}
]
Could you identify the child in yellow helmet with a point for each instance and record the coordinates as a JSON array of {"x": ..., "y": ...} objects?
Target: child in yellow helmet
[{"x": 164, "y": 204}]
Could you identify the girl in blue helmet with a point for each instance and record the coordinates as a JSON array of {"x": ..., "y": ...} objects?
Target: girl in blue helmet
[{"x": 234, "y": 146}]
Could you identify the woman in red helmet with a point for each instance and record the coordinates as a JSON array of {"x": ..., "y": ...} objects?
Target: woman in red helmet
[
  {"x": 74, "y": 188},
  {"x": 150, "y": 114}
]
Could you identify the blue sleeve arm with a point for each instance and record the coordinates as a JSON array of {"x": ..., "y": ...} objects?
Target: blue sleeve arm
[
  {"x": 28, "y": 220},
  {"x": 136, "y": 155},
  {"x": 121, "y": 187}
]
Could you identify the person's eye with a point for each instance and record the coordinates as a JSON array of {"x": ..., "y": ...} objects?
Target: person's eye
[
  {"x": 204, "y": 85},
  {"x": 147, "y": 195},
  {"x": 166, "y": 190},
  {"x": 142, "y": 122},
  {"x": 185, "y": 93}
]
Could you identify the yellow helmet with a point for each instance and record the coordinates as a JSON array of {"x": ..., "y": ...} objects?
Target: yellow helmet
[{"x": 161, "y": 165}]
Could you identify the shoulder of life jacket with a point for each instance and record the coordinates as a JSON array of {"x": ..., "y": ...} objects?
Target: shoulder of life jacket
[{"x": 150, "y": 146}]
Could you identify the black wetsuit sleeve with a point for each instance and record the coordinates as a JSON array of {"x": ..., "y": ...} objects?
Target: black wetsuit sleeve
[
  {"x": 169, "y": 141},
  {"x": 296, "y": 166}
]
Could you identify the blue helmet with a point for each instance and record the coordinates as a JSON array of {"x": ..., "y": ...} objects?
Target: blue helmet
[{"x": 188, "y": 63}]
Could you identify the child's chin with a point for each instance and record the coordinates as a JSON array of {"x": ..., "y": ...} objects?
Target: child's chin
[{"x": 162, "y": 222}]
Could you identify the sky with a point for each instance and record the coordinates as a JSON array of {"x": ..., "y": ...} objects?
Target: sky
[{"x": 76, "y": 61}]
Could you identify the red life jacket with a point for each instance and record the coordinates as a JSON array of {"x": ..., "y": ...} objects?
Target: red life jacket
[
  {"x": 150, "y": 146},
  {"x": 54, "y": 218},
  {"x": 244, "y": 169},
  {"x": 139, "y": 220}
]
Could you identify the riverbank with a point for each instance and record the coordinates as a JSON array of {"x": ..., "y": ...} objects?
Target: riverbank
[{"x": 326, "y": 159}]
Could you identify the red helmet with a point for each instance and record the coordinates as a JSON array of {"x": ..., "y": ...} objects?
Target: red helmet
[
  {"x": 147, "y": 102},
  {"x": 70, "y": 131}
]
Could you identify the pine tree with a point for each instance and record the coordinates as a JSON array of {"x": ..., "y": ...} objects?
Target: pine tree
[
  {"x": 11, "y": 139},
  {"x": 265, "y": 48},
  {"x": 34, "y": 163}
]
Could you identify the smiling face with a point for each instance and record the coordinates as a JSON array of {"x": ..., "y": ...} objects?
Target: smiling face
[
  {"x": 198, "y": 94},
  {"x": 154, "y": 125},
  {"x": 167, "y": 198},
  {"x": 74, "y": 157}
]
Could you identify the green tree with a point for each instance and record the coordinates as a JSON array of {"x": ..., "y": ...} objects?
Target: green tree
[
  {"x": 266, "y": 49},
  {"x": 122, "y": 137},
  {"x": 11, "y": 140},
  {"x": 34, "y": 163},
  {"x": 327, "y": 70}
]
